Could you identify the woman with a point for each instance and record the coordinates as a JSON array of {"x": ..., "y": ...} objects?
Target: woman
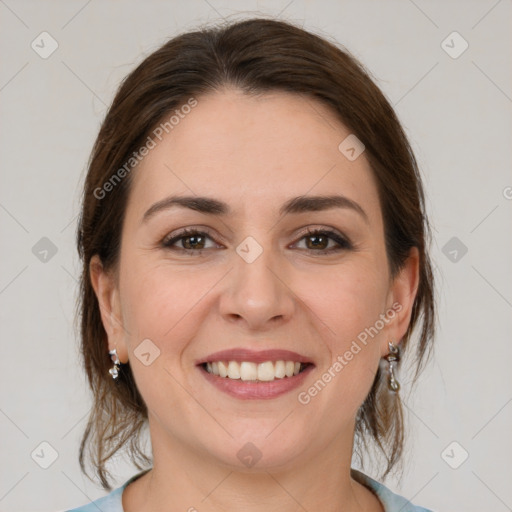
[{"x": 254, "y": 248}]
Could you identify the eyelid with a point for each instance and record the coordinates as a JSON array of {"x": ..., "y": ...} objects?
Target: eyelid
[
  {"x": 188, "y": 231},
  {"x": 320, "y": 228}
]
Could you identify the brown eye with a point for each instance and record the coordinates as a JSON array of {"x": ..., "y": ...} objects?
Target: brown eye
[
  {"x": 317, "y": 241},
  {"x": 320, "y": 241},
  {"x": 190, "y": 240},
  {"x": 193, "y": 241}
]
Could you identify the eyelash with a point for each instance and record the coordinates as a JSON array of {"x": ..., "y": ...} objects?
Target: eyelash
[{"x": 343, "y": 243}]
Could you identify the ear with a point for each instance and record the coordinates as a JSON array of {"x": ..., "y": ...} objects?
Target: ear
[
  {"x": 401, "y": 299},
  {"x": 105, "y": 287}
]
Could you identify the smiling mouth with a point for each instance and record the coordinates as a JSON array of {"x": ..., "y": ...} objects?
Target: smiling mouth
[{"x": 248, "y": 371}]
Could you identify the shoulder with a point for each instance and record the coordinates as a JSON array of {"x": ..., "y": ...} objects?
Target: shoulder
[
  {"x": 111, "y": 502},
  {"x": 390, "y": 500}
]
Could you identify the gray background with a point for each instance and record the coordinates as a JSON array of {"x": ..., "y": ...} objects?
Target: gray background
[{"x": 456, "y": 112}]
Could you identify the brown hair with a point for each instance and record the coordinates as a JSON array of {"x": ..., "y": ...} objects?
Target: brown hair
[{"x": 255, "y": 56}]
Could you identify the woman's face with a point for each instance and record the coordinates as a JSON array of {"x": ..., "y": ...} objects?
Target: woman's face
[{"x": 253, "y": 279}]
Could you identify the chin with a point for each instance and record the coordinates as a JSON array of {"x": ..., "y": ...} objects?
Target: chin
[{"x": 260, "y": 451}]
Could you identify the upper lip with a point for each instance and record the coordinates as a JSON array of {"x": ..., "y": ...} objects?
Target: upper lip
[{"x": 244, "y": 354}]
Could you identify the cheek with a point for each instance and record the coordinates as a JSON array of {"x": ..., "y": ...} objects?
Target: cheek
[
  {"x": 347, "y": 308},
  {"x": 156, "y": 298},
  {"x": 346, "y": 301},
  {"x": 161, "y": 306}
]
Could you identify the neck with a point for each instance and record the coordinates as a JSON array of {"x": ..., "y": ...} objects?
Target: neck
[{"x": 194, "y": 481}]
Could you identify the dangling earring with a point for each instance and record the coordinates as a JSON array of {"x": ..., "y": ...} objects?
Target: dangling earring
[
  {"x": 393, "y": 358},
  {"x": 114, "y": 371}
]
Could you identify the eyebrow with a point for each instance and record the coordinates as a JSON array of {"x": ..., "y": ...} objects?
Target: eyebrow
[{"x": 300, "y": 204}]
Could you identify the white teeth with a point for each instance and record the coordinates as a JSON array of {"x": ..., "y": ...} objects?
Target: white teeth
[
  {"x": 233, "y": 370},
  {"x": 266, "y": 371},
  {"x": 223, "y": 369},
  {"x": 249, "y": 371},
  {"x": 280, "y": 369}
]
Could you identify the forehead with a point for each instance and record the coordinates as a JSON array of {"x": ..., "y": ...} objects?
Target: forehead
[{"x": 242, "y": 149}]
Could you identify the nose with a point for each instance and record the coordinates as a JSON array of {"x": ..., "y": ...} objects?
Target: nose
[{"x": 257, "y": 293}]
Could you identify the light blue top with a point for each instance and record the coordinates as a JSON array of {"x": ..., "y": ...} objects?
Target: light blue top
[{"x": 391, "y": 502}]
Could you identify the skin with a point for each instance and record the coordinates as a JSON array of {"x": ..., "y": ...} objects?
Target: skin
[{"x": 253, "y": 153}]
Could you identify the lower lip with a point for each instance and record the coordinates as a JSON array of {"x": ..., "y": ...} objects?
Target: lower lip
[{"x": 247, "y": 390}]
